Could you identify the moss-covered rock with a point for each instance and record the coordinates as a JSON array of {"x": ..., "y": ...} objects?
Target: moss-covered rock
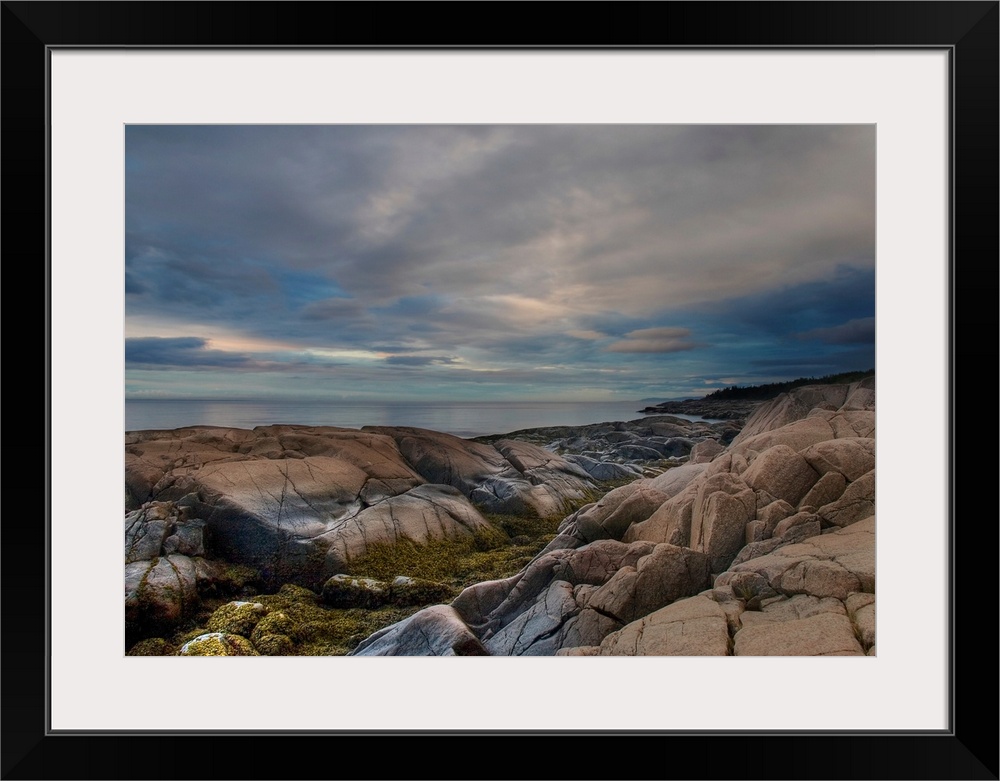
[
  {"x": 152, "y": 646},
  {"x": 417, "y": 591},
  {"x": 276, "y": 622},
  {"x": 346, "y": 591},
  {"x": 316, "y": 629},
  {"x": 238, "y": 618},
  {"x": 238, "y": 580},
  {"x": 274, "y": 645},
  {"x": 218, "y": 644}
]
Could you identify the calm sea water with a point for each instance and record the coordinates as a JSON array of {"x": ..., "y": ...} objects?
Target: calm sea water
[{"x": 463, "y": 419}]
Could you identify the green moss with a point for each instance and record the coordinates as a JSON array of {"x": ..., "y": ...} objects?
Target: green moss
[
  {"x": 348, "y": 591},
  {"x": 218, "y": 644},
  {"x": 528, "y": 526},
  {"x": 182, "y": 637},
  {"x": 416, "y": 591},
  {"x": 274, "y": 645},
  {"x": 316, "y": 630},
  {"x": 238, "y": 580},
  {"x": 237, "y": 618},
  {"x": 153, "y": 646},
  {"x": 274, "y": 623},
  {"x": 433, "y": 560},
  {"x": 497, "y": 551}
]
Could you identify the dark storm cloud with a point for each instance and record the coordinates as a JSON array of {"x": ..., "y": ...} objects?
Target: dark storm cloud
[{"x": 846, "y": 293}]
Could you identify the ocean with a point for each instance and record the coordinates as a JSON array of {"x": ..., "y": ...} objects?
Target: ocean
[{"x": 463, "y": 418}]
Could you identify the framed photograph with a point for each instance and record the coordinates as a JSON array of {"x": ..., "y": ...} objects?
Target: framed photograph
[{"x": 86, "y": 85}]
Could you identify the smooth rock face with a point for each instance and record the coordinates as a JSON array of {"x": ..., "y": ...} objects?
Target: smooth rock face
[
  {"x": 428, "y": 512},
  {"x": 433, "y": 631},
  {"x": 299, "y": 502},
  {"x": 160, "y": 592}
]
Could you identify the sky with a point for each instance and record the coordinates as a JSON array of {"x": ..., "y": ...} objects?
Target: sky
[{"x": 482, "y": 262}]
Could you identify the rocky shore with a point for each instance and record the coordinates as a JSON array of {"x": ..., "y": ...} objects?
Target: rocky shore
[
  {"x": 718, "y": 409},
  {"x": 654, "y": 536}
]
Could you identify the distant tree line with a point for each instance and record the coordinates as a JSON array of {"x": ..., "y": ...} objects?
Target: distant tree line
[{"x": 769, "y": 391}]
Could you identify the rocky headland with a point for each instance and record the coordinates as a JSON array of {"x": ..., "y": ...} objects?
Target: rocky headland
[
  {"x": 719, "y": 409},
  {"x": 653, "y": 536}
]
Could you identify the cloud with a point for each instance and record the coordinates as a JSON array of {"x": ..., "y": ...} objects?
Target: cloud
[
  {"x": 421, "y": 360},
  {"x": 587, "y": 334},
  {"x": 182, "y": 352},
  {"x": 655, "y": 340},
  {"x": 506, "y": 247},
  {"x": 333, "y": 309},
  {"x": 857, "y": 331}
]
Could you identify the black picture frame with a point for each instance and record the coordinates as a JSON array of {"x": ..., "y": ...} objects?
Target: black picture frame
[{"x": 968, "y": 30}]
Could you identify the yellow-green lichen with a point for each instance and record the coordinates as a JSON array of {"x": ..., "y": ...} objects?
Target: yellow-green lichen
[
  {"x": 274, "y": 623},
  {"x": 152, "y": 646},
  {"x": 237, "y": 618},
  {"x": 218, "y": 644},
  {"x": 274, "y": 645}
]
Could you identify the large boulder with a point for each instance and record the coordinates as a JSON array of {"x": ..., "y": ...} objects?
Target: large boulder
[
  {"x": 159, "y": 593},
  {"x": 434, "y": 631},
  {"x": 721, "y": 511},
  {"x": 782, "y": 473}
]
